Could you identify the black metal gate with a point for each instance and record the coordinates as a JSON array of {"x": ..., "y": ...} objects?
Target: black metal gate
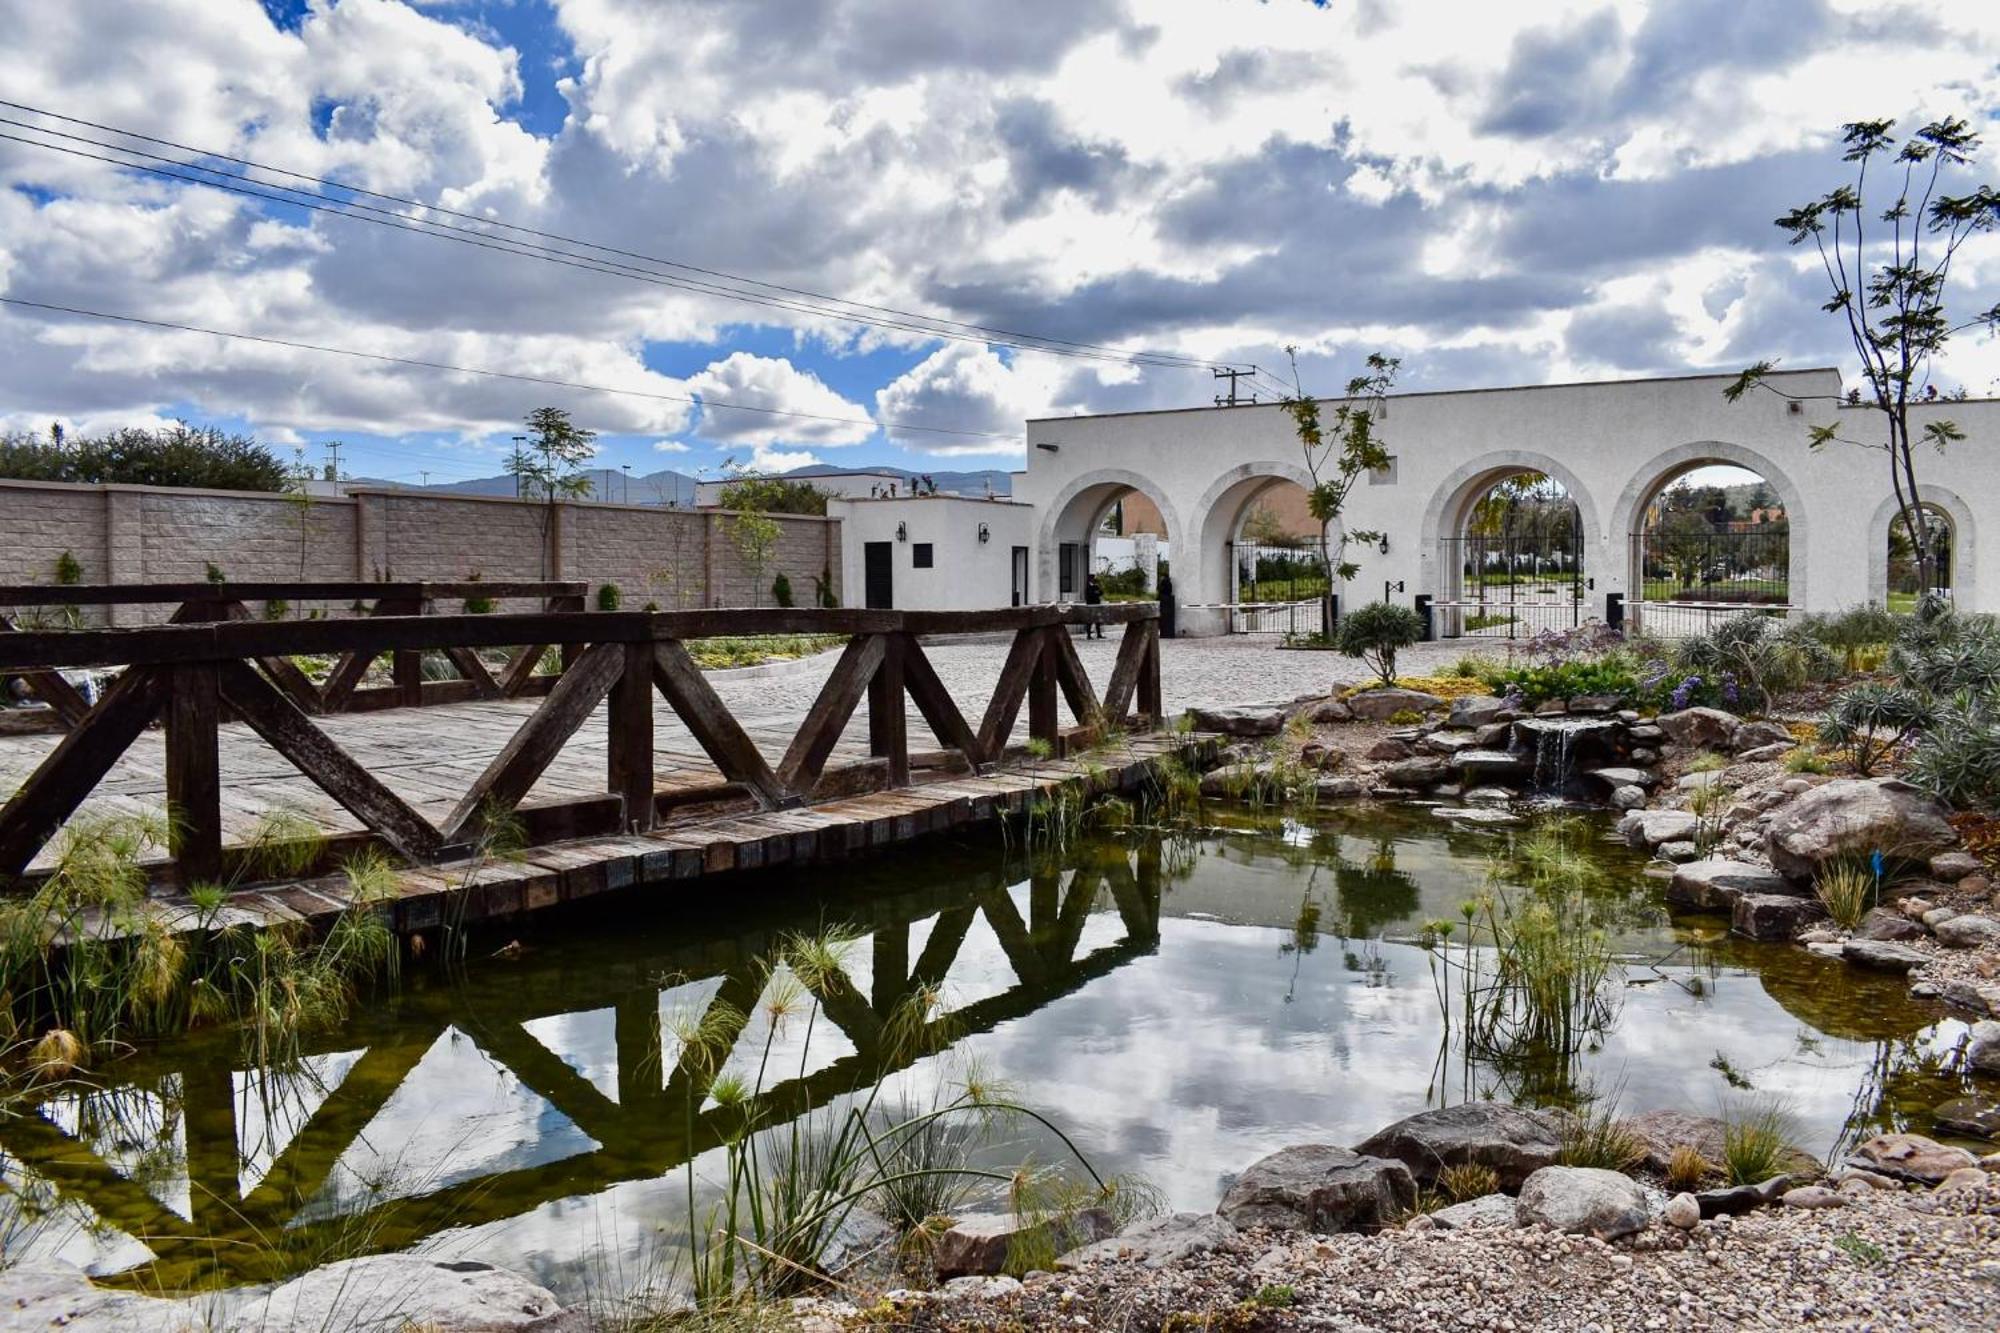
[
  {"x": 1509, "y": 586},
  {"x": 1691, "y": 574},
  {"x": 1277, "y": 588}
]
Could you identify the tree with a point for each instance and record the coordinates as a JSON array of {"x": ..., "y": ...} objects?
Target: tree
[
  {"x": 1890, "y": 292},
  {"x": 1681, "y": 541},
  {"x": 551, "y": 468},
  {"x": 176, "y": 455},
  {"x": 756, "y": 535},
  {"x": 1338, "y": 453},
  {"x": 774, "y": 495}
]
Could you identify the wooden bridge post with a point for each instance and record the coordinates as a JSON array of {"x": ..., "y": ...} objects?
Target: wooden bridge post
[
  {"x": 1043, "y": 724},
  {"x": 1150, "y": 706},
  {"x": 888, "y": 724},
  {"x": 629, "y": 727},
  {"x": 194, "y": 771}
]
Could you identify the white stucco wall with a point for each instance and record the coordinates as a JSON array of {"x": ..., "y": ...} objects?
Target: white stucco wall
[
  {"x": 966, "y": 574},
  {"x": 1612, "y": 444}
]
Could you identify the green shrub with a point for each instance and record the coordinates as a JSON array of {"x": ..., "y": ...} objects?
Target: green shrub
[
  {"x": 68, "y": 570},
  {"x": 1957, "y": 759},
  {"x": 479, "y": 604},
  {"x": 781, "y": 590},
  {"x": 1611, "y": 674},
  {"x": 823, "y": 594},
  {"x": 1377, "y": 632},
  {"x": 608, "y": 597}
]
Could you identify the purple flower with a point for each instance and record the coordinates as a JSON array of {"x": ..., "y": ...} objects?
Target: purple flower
[
  {"x": 1685, "y": 691},
  {"x": 1728, "y": 687}
]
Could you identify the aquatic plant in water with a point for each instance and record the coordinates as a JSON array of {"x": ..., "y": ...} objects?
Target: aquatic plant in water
[{"x": 789, "y": 1184}]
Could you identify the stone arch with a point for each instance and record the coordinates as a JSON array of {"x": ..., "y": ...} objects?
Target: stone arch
[
  {"x": 1074, "y": 512},
  {"x": 1957, "y": 512},
  {"x": 1219, "y": 513},
  {"x": 1658, "y": 472},
  {"x": 1450, "y": 503}
]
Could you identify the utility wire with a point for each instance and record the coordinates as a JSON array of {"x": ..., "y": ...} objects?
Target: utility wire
[
  {"x": 704, "y": 403},
  {"x": 934, "y": 326}
]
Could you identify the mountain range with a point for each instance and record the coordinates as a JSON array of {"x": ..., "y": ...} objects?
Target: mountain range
[{"x": 667, "y": 487}]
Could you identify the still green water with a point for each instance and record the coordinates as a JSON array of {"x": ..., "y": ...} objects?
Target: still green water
[{"x": 1181, "y": 1006}]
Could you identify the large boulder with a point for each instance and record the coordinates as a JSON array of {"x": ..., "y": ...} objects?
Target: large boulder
[
  {"x": 1716, "y": 885},
  {"x": 398, "y": 1291},
  {"x": 1379, "y": 705},
  {"x": 1855, "y": 817},
  {"x": 1974, "y": 1117},
  {"x": 49, "y": 1294},
  {"x": 1423, "y": 771},
  {"x": 1241, "y": 719},
  {"x": 1477, "y": 710},
  {"x": 1320, "y": 1188},
  {"x": 1760, "y": 735},
  {"x": 1910, "y": 1157},
  {"x": 1583, "y": 1200},
  {"x": 1700, "y": 728},
  {"x": 982, "y": 1243},
  {"x": 1481, "y": 765},
  {"x": 1883, "y": 924},
  {"x": 1624, "y": 777},
  {"x": 1449, "y": 741},
  {"x": 1650, "y": 828},
  {"x": 1156, "y": 1243},
  {"x": 1659, "y": 1133},
  {"x": 1883, "y": 955},
  {"x": 1982, "y": 1051},
  {"x": 1515, "y": 1143},
  {"x": 1968, "y": 931},
  {"x": 1773, "y": 916}
]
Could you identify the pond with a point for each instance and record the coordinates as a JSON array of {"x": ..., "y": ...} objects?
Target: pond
[{"x": 1179, "y": 1004}]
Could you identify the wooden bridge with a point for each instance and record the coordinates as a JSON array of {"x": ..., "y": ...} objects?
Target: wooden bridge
[
  {"x": 564, "y": 738},
  {"x": 654, "y": 1119}
]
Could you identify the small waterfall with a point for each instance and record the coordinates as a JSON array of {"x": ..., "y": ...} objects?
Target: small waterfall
[{"x": 1555, "y": 741}]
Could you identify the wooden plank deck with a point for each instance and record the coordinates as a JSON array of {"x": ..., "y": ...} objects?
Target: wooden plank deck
[{"x": 478, "y": 889}]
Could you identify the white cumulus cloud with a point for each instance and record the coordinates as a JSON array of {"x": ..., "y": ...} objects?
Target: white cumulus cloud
[{"x": 771, "y": 383}]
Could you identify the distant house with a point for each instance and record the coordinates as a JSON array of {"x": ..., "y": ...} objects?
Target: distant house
[{"x": 843, "y": 485}]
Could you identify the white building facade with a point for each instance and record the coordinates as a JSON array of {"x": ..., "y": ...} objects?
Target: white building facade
[
  {"x": 1613, "y": 446},
  {"x": 935, "y": 552}
]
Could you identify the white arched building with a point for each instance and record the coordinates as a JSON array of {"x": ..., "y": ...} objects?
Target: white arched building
[{"x": 1613, "y": 446}]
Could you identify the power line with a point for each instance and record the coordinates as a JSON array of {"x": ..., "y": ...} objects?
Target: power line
[
  {"x": 814, "y": 303},
  {"x": 704, "y": 403}
]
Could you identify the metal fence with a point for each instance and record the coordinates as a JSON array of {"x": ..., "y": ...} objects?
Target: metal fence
[
  {"x": 1509, "y": 587},
  {"x": 1688, "y": 580}
]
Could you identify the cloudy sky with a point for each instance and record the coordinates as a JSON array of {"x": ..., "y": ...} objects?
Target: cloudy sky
[{"x": 1496, "y": 193}]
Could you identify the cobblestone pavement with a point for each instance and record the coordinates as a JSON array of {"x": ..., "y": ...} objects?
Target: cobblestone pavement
[{"x": 1193, "y": 672}]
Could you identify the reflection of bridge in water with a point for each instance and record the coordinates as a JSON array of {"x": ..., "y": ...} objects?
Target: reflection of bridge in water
[{"x": 282, "y": 1225}]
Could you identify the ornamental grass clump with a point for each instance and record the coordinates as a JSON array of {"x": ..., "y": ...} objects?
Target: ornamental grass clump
[
  {"x": 1847, "y": 890},
  {"x": 1756, "y": 1143}
]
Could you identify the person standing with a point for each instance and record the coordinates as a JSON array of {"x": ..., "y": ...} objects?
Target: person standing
[{"x": 1093, "y": 595}]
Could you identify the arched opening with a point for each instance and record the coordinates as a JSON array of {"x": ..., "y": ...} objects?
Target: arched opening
[
  {"x": 1262, "y": 559},
  {"x": 1511, "y": 559},
  {"x": 1713, "y": 542},
  {"x": 1278, "y": 562},
  {"x": 1906, "y": 566},
  {"x": 1112, "y": 526}
]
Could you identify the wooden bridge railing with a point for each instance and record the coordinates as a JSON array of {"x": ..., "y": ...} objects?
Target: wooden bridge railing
[
  {"x": 341, "y": 691},
  {"x": 195, "y": 675}
]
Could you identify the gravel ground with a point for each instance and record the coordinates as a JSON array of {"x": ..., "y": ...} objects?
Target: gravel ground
[{"x": 1888, "y": 1260}]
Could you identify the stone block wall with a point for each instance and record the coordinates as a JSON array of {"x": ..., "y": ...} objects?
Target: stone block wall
[{"x": 677, "y": 558}]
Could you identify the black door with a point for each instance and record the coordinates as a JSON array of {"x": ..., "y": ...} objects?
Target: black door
[
  {"x": 878, "y": 575},
  {"x": 1020, "y": 576}
]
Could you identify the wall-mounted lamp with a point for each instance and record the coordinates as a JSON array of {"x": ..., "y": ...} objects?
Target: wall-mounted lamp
[
  {"x": 1051, "y": 448},
  {"x": 1384, "y": 544},
  {"x": 902, "y": 532},
  {"x": 985, "y": 534}
]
